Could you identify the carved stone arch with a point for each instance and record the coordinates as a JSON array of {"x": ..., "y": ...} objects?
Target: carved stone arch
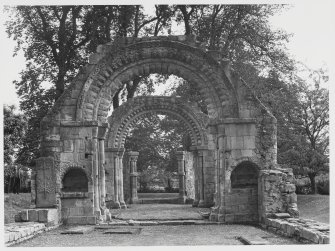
[
  {"x": 66, "y": 167},
  {"x": 90, "y": 95},
  {"x": 244, "y": 167},
  {"x": 129, "y": 112},
  {"x": 253, "y": 160}
]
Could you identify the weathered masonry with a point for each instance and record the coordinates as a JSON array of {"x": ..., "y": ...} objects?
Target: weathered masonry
[{"x": 234, "y": 147}]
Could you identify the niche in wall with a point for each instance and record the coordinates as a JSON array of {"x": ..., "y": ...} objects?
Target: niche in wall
[
  {"x": 75, "y": 180},
  {"x": 245, "y": 175}
]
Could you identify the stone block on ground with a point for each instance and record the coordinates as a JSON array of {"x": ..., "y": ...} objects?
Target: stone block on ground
[
  {"x": 33, "y": 215},
  {"x": 123, "y": 231},
  {"x": 24, "y": 215},
  {"x": 118, "y": 223},
  {"x": 253, "y": 240},
  {"x": 78, "y": 230},
  {"x": 81, "y": 220},
  {"x": 48, "y": 216},
  {"x": 309, "y": 234},
  {"x": 282, "y": 215},
  {"x": 171, "y": 222}
]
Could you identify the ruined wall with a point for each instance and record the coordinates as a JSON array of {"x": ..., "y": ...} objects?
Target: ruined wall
[{"x": 277, "y": 193}]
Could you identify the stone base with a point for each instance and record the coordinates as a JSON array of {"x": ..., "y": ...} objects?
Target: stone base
[
  {"x": 43, "y": 215},
  {"x": 201, "y": 203},
  {"x": 195, "y": 203},
  {"x": 113, "y": 205},
  {"x": 123, "y": 205},
  {"x": 81, "y": 220},
  {"x": 182, "y": 200},
  {"x": 134, "y": 201}
]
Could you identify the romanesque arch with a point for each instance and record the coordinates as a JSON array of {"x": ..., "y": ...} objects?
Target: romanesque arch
[
  {"x": 239, "y": 126},
  {"x": 90, "y": 95},
  {"x": 194, "y": 121},
  {"x": 192, "y": 118}
]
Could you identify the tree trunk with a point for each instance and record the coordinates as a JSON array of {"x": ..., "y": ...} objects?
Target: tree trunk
[
  {"x": 313, "y": 183},
  {"x": 60, "y": 84}
]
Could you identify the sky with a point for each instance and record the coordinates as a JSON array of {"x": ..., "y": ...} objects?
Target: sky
[{"x": 311, "y": 23}]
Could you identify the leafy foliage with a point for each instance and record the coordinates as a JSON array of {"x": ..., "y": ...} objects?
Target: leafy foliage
[{"x": 14, "y": 131}]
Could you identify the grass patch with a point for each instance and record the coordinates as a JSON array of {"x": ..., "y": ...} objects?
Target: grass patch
[
  {"x": 314, "y": 206},
  {"x": 14, "y": 203}
]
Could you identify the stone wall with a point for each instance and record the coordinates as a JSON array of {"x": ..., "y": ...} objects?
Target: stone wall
[
  {"x": 76, "y": 204},
  {"x": 304, "y": 230},
  {"x": 277, "y": 193},
  {"x": 242, "y": 205}
]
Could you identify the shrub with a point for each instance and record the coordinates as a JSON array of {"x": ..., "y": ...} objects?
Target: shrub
[
  {"x": 303, "y": 189},
  {"x": 171, "y": 190},
  {"x": 323, "y": 186}
]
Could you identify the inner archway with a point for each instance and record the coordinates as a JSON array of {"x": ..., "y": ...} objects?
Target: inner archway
[{"x": 130, "y": 112}]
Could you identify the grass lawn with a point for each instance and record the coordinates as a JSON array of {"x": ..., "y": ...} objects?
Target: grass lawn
[{"x": 314, "y": 206}]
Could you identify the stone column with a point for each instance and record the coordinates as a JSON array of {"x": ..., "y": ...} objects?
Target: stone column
[
  {"x": 96, "y": 198},
  {"x": 111, "y": 200},
  {"x": 181, "y": 173},
  {"x": 201, "y": 178},
  {"x": 196, "y": 180},
  {"x": 133, "y": 176},
  {"x": 33, "y": 189},
  {"x": 102, "y": 175},
  {"x": 218, "y": 214},
  {"x": 120, "y": 178},
  {"x": 116, "y": 180}
]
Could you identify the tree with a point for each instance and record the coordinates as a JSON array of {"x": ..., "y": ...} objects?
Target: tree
[
  {"x": 14, "y": 130},
  {"x": 309, "y": 151},
  {"x": 56, "y": 41}
]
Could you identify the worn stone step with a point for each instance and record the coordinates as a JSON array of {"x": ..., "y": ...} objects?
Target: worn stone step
[
  {"x": 253, "y": 240},
  {"x": 78, "y": 230},
  {"x": 282, "y": 215}
]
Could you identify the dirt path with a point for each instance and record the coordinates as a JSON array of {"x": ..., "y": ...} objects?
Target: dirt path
[
  {"x": 160, "y": 212},
  {"x": 158, "y": 236}
]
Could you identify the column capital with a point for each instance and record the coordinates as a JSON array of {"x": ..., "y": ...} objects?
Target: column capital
[
  {"x": 133, "y": 155},
  {"x": 114, "y": 150},
  {"x": 95, "y": 132},
  {"x": 102, "y": 132}
]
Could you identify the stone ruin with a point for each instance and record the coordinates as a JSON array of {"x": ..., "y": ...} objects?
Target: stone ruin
[{"x": 82, "y": 172}]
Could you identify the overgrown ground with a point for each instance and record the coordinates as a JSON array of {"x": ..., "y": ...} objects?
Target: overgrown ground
[
  {"x": 14, "y": 203},
  {"x": 314, "y": 207}
]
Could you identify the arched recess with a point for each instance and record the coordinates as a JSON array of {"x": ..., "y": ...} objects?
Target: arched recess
[
  {"x": 75, "y": 180},
  {"x": 90, "y": 95},
  {"x": 128, "y": 113},
  {"x": 244, "y": 186}
]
